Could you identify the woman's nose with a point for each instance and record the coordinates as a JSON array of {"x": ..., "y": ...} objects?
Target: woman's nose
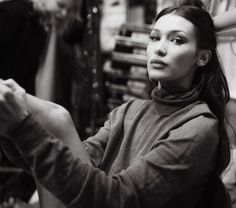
[
  {"x": 160, "y": 49},
  {"x": 160, "y": 52}
]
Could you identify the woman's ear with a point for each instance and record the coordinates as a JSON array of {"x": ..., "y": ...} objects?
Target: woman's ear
[{"x": 204, "y": 57}]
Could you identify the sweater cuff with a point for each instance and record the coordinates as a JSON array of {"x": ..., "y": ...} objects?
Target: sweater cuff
[{"x": 28, "y": 134}]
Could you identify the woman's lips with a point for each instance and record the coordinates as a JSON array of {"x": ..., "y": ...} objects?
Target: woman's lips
[{"x": 158, "y": 64}]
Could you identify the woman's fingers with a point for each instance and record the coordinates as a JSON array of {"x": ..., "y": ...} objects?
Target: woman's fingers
[
  {"x": 13, "y": 85},
  {"x": 13, "y": 105}
]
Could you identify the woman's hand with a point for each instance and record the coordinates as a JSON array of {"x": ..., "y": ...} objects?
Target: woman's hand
[{"x": 13, "y": 105}]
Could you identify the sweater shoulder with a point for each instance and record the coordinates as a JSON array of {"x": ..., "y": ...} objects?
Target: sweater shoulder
[
  {"x": 130, "y": 107},
  {"x": 133, "y": 105},
  {"x": 197, "y": 114},
  {"x": 200, "y": 108}
]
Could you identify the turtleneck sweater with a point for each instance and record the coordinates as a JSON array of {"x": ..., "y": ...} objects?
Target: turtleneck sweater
[{"x": 149, "y": 153}]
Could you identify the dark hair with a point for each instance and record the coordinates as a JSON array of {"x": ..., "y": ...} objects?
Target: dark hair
[{"x": 210, "y": 78}]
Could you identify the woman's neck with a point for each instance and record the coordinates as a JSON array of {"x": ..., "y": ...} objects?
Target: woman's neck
[{"x": 173, "y": 87}]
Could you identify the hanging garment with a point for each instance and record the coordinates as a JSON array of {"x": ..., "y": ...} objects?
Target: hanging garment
[
  {"x": 46, "y": 74},
  {"x": 226, "y": 44}
]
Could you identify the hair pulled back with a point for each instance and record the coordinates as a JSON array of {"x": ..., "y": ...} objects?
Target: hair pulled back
[{"x": 210, "y": 78}]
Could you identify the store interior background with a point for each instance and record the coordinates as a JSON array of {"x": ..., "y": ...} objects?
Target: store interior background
[
  {"x": 102, "y": 62},
  {"x": 109, "y": 67}
]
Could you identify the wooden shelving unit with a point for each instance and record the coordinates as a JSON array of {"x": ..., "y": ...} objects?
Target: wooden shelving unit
[{"x": 126, "y": 70}]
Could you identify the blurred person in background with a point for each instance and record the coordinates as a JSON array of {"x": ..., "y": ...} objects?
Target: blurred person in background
[
  {"x": 22, "y": 39},
  {"x": 25, "y": 27}
]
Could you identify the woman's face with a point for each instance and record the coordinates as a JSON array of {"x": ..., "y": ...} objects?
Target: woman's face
[{"x": 172, "y": 51}]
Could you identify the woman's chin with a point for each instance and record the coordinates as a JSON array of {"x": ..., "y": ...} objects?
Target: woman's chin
[{"x": 157, "y": 77}]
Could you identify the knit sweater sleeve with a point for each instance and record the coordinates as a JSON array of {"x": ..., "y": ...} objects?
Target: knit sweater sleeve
[
  {"x": 96, "y": 145},
  {"x": 172, "y": 166}
]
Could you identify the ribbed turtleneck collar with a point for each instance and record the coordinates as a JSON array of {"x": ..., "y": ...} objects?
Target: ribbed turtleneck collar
[{"x": 175, "y": 97}]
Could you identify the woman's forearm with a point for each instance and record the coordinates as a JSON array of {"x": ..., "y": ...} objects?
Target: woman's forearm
[{"x": 58, "y": 121}]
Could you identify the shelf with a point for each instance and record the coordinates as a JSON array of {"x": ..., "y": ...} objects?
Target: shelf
[
  {"x": 124, "y": 74},
  {"x": 126, "y": 70},
  {"x": 127, "y": 58},
  {"x": 131, "y": 42},
  {"x": 118, "y": 89},
  {"x": 131, "y": 28}
]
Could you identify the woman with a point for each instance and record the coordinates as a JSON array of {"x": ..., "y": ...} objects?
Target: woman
[{"x": 165, "y": 152}]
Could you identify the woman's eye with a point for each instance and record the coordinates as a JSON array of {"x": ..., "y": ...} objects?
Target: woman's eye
[
  {"x": 154, "y": 38},
  {"x": 178, "y": 40}
]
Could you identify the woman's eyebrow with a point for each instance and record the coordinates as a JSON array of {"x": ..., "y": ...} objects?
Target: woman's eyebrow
[
  {"x": 172, "y": 31},
  {"x": 155, "y": 30}
]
